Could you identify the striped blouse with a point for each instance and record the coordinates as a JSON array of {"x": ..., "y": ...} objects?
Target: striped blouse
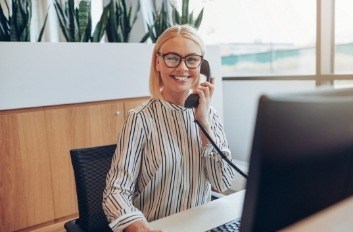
[{"x": 159, "y": 167}]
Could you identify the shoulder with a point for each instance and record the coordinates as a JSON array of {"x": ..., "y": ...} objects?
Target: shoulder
[
  {"x": 145, "y": 107},
  {"x": 137, "y": 117}
]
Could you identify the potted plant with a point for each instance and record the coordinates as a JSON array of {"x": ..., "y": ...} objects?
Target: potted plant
[
  {"x": 161, "y": 20},
  {"x": 185, "y": 17},
  {"x": 120, "y": 21},
  {"x": 160, "y": 23},
  {"x": 16, "y": 26},
  {"x": 76, "y": 23}
]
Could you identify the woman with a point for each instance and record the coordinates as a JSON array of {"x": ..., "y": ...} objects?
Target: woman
[{"x": 163, "y": 163}]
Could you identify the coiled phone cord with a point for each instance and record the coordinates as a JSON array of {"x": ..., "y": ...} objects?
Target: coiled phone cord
[{"x": 219, "y": 150}]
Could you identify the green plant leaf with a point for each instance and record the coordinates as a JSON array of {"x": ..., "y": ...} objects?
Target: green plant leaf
[
  {"x": 145, "y": 37},
  {"x": 89, "y": 26},
  {"x": 199, "y": 19},
  {"x": 160, "y": 24},
  {"x": 186, "y": 17},
  {"x": 127, "y": 22},
  {"x": 19, "y": 21},
  {"x": 7, "y": 6},
  {"x": 72, "y": 22},
  {"x": 83, "y": 20},
  {"x": 62, "y": 21},
  {"x": 3, "y": 36},
  {"x": 76, "y": 23},
  {"x": 4, "y": 25},
  {"x": 121, "y": 20},
  {"x": 27, "y": 15},
  {"x": 177, "y": 18},
  {"x": 113, "y": 19},
  {"x": 13, "y": 21},
  {"x": 101, "y": 26},
  {"x": 184, "y": 12},
  {"x": 43, "y": 26},
  {"x": 136, "y": 12},
  {"x": 191, "y": 18}
]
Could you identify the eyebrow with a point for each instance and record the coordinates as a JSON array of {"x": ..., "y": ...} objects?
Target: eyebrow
[{"x": 193, "y": 53}]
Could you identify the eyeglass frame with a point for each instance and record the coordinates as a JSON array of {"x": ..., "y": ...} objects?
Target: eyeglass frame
[{"x": 181, "y": 58}]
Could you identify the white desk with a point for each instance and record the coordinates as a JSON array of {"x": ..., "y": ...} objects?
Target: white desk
[
  {"x": 204, "y": 217},
  {"x": 338, "y": 217}
]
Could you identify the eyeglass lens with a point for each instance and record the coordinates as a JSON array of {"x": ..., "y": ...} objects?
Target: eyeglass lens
[{"x": 173, "y": 60}]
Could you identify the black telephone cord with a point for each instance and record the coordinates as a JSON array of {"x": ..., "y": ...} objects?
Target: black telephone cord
[{"x": 219, "y": 150}]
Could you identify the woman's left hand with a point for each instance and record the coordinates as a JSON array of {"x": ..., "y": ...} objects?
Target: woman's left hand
[{"x": 205, "y": 92}]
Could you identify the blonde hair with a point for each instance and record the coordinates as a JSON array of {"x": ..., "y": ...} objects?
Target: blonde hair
[{"x": 185, "y": 31}]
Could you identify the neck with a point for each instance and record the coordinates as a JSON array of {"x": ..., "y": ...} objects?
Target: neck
[{"x": 176, "y": 99}]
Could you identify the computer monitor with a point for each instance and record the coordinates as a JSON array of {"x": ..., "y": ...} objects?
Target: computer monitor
[{"x": 301, "y": 159}]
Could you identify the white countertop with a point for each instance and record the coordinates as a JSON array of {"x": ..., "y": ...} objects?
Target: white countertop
[{"x": 204, "y": 217}]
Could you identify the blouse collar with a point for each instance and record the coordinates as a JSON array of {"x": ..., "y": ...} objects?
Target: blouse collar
[{"x": 172, "y": 106}]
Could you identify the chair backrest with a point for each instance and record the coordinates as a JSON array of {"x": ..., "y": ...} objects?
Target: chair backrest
[{"x": 91, "y": 166}]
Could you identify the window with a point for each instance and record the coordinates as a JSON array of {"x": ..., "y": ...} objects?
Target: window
[
  {"x": 343, "y": 56},
  {"x": 262, "y": 37},
  {"x": 274, "y": 39},
  {"x": 343, "y": 37}
]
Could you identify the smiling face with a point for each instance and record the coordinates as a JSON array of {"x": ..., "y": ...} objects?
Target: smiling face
[{"x": 178, "y": 81}]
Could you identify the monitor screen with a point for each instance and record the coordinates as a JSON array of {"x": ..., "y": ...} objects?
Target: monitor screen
[{"x": 301, "y": 159}]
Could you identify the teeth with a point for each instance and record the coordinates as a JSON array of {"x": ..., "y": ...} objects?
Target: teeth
[{"x": 181, "y": 78}]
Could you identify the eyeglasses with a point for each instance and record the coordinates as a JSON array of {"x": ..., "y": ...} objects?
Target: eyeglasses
[{"x": 172, "y": 60}]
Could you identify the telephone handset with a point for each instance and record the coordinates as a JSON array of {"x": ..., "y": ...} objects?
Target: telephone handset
[{"x": 192, "y": 100}]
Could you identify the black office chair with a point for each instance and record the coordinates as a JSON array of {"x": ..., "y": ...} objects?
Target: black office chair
[{"x": 91, "y": 166}]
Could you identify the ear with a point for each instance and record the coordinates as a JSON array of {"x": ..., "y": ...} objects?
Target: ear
[{"x": 158, "y": 64}]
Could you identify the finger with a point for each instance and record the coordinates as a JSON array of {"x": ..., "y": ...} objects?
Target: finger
[
  {"x": 201, "y": 93},
  {"x": 207, "y": 85},
  {"x": 205, "y": 90},
  {"x": 210, "y": 87},
  {"x": 211, "y": 82}
]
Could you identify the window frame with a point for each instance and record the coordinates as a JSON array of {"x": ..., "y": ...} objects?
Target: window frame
[{"x": 325, "y": 51}]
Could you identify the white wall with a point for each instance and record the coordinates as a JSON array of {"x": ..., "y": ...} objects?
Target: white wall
[
  {"x": 42, "y": 74},
  {"x": 240, "y": 100}
]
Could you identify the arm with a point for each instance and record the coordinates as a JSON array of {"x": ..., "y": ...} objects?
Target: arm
[
  {"x": 122, "y": 177},
  {"x": 219, "y": 172}
]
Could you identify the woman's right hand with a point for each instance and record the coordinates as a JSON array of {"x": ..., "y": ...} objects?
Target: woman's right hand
[{"x": 141, "y": 226}]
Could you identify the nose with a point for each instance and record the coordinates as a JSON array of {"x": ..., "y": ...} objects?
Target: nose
[{"x": 182, "y": 64}]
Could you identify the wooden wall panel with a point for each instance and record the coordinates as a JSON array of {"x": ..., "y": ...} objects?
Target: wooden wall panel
[
  {"x": 36, "y": 176},
  {"x": 9, "y": 173},
  {"x": 76, "y": 127},
  {"x": 26, "y": 187},
  {"x": 106, "y": 121},
  {"x": 62, "y": 135}
]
